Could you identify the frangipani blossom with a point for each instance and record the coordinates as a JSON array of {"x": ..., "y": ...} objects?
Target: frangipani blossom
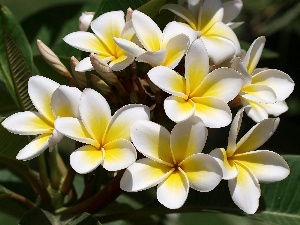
[
  {"x": 85, "y": 20},
  {"x": 205, "y": 17},
  {"x": 161, "y": 48},
  {"x": 106, "y": 137},
  {"x": 199, "y": 92},
  {"x": 174, "y": 161},
  {"x": 264, "y": 90},
  {"x": 244, "y": 167},
  {"x": 105, "y": 28},
  {"x": 51, "y": 101}
]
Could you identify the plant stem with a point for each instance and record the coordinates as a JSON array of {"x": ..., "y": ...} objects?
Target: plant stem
[
  {"x": 67, "y": 182},
  {"x": 43, "y": 169},
  {"x": 55, "y": 174},
  {"x": 20, "y": 198}
]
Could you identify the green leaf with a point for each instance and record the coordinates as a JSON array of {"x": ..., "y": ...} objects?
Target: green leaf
[
  {"x": 16, "y": 59},
  {"x": 39, "y": 216}
]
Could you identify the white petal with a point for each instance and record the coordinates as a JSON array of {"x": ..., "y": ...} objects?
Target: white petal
[
  {"x": 214, "y": 83},
  {"x": 95, "y": 113},
  {"x": 129, "y": 47},
  {"x": 228, "y": 167},
  {"x": 147, "y": 31},
  {"x": 280, "y": 82},
  {"x": 34, "y": 148},
  {"x": 144, "y": 174},
  {"x": 154, "y": 58},
  {"x": 245, "y": 190},
  {"x": 188, "y": 138},
  {"x": 121, "y": 62},
  {"x": 275, "y": 109},
  {"x": 234, "y": 131},
  {"x": 65, "y": 101},
  {"x": 231, "y": 10},
  {"x": 85, "y": 20},
  {"x": 253, "y": 54},
  {"x": 27, "y": 123},
  {"x": 84, "y": 65},
  {"x": 196, "y": 65},
  {"x": 152, "y": 140},
  {"x": 258, "y": 93},
  {"x": 202, "y": 171},
  {"x": 237, "y": 65},
  {"x": 173, "y": 191},
  {"x": 255, "y": 110},
  {"x": 123, "y": 119},
  {"x": 178, "y": 109},
  {"x": 119, "y": 155},
  {"x": 168, "y": 80},
  {"x": 214, "y": 112},
  {"x": 86, "y": 159},
  {"x": 267, "y": 166},
  {"x": 55, "y": 138},
  {"x": 40, "y": 90},
  {"x": 257, "y": 135}
]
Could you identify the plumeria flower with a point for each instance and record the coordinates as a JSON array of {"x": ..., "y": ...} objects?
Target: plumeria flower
[
  {"x": 51, "y": 101},
  {"x": 85, "y": 20},
  {"x": 244, "y": 167},
  {"x": 173, "y": 161},
  {"x": 199, "y": 92},
  {"x": 106, "y": 137},
  {"x": 231, "y": 10},
  {"x": 205, "y": 17},
  {"x": 106, "y": 27},
  {"x": 160, "y": 48},
  {"x": 264, "y": 90}
]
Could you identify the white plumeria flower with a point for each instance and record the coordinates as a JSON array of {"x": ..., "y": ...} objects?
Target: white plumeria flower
[
  {"x": 106, "y": 137},
  {"x": 205, "y": 17},
  {"x": 51, "y": 101},
  {"x": 174, "y": 161},
  {"x": 264, "y": 90},
  {"x": 244, "y": 167},
  {"x": 85, "y": 20},
  {"x": 106, "y": 27},
  {"x": 162, "y": 48},
  {"x": 231, "y": 10},
  {"x": 199, "y": 92}
]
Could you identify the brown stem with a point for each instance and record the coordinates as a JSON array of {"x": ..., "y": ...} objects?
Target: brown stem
[{"x": 20, "y": 198}]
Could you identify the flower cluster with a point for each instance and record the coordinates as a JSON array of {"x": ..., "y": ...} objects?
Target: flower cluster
[{"x": 186, "y": 84}]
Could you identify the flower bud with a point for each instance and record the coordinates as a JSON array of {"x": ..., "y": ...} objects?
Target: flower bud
[
  {"x": 78, "y": 76},
  {"x": 85, "y": 20}
]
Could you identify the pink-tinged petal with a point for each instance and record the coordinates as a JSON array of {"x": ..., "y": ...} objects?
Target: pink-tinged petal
[
  {"x": 228, "y": 166},
  {"x": 152, "y": 140},
  {"x": 176, "y": 49},
  {"x": 188, "y": 138},
  {"x": 95, "y": 113},
  {"x": 128, "y": 31},
  {"x": 183, "y": 13},
  {"x": 107, "y": 26},
  {"x": 154, "y": 58},
  {"x": 253, "y": 54},
  {"x": 245, "y": 190},
  {"x": 86, "y": 159},
  {"x": 255, "y": 110},
  {"x": 34, "y": 148},
  {"x": 55, "y": 138},
  {"x": 257, "y": 135},
  {"x": 173, "y": 191},
  {"x": 129, "y": 47},
  {"x": 147, "y": 31},
  {"x": 267, "y": 166},
  {"x": 27, "y": 123},
  {"x": 174, "y": 28},
  {"x": 178, "y": 109},
  {"x": 143, "y": 174},
  {"x": 121, "y": 62},
  {"x": 231, "y": 10},
  {"x": 123, "y": 119},
  {"x": 84, "y": 65},
  {"x": 203, "y": 172},
  {"x": 119, "y": 155},
  {"x": 85, "y": 20},
  {"x": 275, "y": 109},
  {"x": 214, "y": 83},
  {"x": 280, "y": 82},
  {"x": 211, "y": 12},
  {"x": 65, "y": 101},
  {"x": 168, "y": 80},
  {"x": 86, "y": 41},
  {"x": 237, "y": 65},
  {"x": 40, "y": 90},
  {"x": 214, "y": 112},
  {"x": 74, "y": 129},
  {"x": 258, "y": 93},
  {"x": 196, "y": 65},
  {"x": 234, "y": 131}
]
